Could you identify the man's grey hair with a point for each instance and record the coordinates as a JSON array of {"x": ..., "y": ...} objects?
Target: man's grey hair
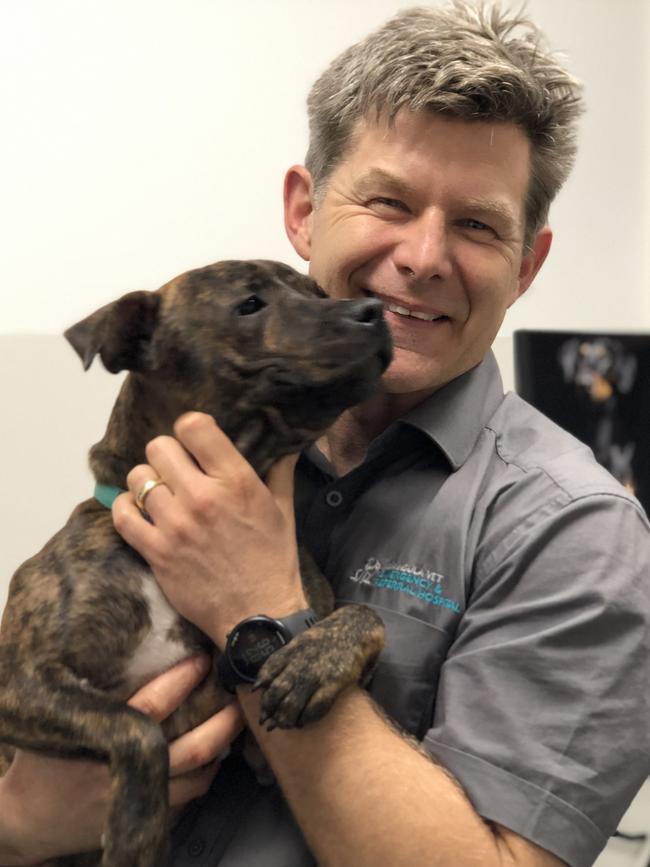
[{"x": 472, "y": 62}]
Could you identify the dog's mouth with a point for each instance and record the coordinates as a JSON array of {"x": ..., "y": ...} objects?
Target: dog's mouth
[
  {"x": 385, "y": 355},
  {"x": 319, "y": 396},
  {"x": 335, "y": 370}
]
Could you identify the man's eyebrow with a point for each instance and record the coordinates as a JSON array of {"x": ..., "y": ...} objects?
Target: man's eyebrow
[{"x": 376, "y": 177}]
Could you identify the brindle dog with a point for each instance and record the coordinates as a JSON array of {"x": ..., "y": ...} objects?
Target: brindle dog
[{"x": 264, "y": 351}]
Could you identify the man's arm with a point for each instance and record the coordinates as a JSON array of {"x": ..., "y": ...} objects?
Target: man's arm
[
  {"x": 365, "y": 795},
  {"x": 361, "y": 793}
]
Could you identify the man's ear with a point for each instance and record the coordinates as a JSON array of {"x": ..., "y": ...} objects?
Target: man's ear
[
  {"x": 533, "y": 259},
  {"x": 299, "y": 209},
  {"x": 119, "y": 331}
]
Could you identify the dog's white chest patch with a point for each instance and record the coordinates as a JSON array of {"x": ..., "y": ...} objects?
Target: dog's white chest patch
[{"x": 157, "y": 652}]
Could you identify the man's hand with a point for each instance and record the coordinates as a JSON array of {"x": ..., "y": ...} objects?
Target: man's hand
[
  {"x": 194, "y": 757},
  {"x": 222, "y": 544},
  {"x": 51, "y": 807}
]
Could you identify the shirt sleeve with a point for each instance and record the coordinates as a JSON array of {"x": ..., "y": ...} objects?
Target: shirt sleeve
[{"x": 543, "y": 705}]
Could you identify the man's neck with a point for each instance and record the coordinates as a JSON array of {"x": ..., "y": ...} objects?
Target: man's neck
[{"x": 346, "y": 442}]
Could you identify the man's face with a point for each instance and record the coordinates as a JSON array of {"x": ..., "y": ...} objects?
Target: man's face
[{"x": 427, "y": 215}]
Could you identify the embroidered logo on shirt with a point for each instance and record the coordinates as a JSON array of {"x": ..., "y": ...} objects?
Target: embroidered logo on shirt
[{"x": 402, "y": 578}]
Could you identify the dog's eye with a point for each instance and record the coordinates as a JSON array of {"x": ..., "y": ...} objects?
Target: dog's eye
[{"x": 250, "y": 305}]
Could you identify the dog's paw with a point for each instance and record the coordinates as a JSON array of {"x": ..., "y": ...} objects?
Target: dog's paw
[{"x": 301, "y": 681}]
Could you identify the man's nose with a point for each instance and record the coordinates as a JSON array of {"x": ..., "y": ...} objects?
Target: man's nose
[{"x": 422, "y": 252}]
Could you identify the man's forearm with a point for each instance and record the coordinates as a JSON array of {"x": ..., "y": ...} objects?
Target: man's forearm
[{"x": 364, "y": 796}]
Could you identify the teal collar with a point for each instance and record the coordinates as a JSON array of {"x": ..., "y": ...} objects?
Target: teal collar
[{"x": 106, "y": 494}]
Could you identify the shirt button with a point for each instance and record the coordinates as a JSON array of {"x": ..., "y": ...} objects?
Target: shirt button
[
  {"x": 334, "y": 498},
  {"x": 196, "y": 847}
]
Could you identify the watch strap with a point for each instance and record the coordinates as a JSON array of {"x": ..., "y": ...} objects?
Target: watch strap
[{"x": 299, "y": 622}]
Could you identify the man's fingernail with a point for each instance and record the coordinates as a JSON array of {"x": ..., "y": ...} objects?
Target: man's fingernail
[{"x": 202, "y": 663}]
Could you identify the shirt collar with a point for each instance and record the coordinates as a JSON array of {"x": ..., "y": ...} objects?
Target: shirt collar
[{"x": 454, "y": 416}]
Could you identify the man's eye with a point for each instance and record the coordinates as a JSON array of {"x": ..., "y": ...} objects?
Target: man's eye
[
  {"x": 477, "y": 225},
  {"x": 250, "y": 305},
  {"x": 387, "y": 202}
]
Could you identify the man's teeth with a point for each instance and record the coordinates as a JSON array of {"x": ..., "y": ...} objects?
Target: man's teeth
[{"x": 404, "y": 311}]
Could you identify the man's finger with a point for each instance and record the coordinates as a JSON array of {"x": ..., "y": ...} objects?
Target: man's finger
[
  {"x": 191, "y": 786},
  {"x": 280, "y": 480},
  {"x": 144, "y": 480},
  {"x": 172, "y": 463},
  {"x": 206, "y": 742},
  {"x": 132, "y": 525},
  {"x": 161, "y": 696},
  {"x": 208, "y": 444}
]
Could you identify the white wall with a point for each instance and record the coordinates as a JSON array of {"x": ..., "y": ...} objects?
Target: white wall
[
  {"x": 142, "y": 137},
  {"x": 646, "y": 179},
  {"x": 594, "y": 278}
]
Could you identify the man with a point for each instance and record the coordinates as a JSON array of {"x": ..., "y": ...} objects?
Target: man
[{"x": 506, "y": 723}]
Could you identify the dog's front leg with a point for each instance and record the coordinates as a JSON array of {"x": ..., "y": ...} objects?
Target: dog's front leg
[{"x": 301, "y": 681}]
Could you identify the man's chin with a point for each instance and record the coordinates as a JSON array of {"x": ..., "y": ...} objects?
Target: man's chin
[
  {"x": 411, "y": 373},
  {"x": 410, "y": 365}
]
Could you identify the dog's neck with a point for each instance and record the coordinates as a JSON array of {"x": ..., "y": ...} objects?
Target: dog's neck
[
  {"x": 142, "y": 413},
  {"x": 135, "y": 420}
]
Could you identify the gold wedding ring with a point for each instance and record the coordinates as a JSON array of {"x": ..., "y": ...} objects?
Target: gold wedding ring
[{"x": 144, "y": 492}]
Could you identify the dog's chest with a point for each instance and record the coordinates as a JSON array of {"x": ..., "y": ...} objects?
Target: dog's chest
[{"x": 161, "y": 647}]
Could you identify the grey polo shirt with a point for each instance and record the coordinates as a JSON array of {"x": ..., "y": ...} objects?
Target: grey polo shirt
[{"x": 511, "y": 572}]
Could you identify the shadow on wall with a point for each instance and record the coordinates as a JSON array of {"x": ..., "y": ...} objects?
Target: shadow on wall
[{"x": 54, "y": 412}]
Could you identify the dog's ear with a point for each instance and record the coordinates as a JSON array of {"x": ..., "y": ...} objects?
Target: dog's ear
[{"x": 119, "y": 331}]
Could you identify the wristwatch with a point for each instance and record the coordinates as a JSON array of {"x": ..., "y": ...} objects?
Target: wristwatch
[{"x": 253, "y": 640}]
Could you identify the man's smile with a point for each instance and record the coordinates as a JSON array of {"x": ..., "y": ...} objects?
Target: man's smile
[{"x": 406, "y": 309}]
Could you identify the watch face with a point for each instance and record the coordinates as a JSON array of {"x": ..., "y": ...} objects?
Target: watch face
[{"x": 252, "y": 643}]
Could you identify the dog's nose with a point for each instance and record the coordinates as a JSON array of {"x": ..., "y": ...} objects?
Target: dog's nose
[{"x": 369, "y": 311}]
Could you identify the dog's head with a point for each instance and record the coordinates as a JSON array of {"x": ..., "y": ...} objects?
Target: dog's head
[{"x": 244, "y": 341}]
